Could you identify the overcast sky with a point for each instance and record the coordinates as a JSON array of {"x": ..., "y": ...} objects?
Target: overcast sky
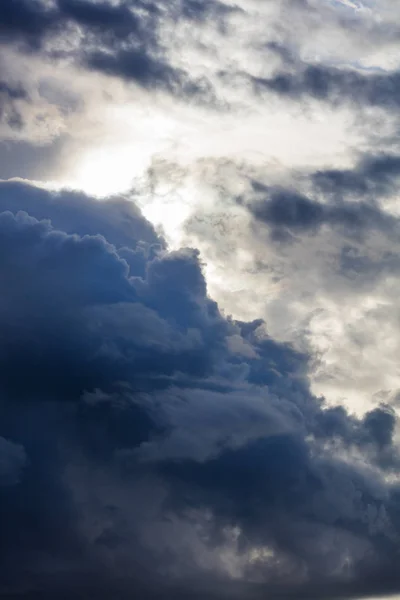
[{"x": 199, "y": 308}]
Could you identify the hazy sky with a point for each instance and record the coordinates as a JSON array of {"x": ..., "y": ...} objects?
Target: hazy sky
[{"x": 199, "y": 316}]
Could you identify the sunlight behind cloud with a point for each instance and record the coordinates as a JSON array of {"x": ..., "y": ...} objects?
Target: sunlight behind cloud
[
  {"x": 130, "y": 143},
  {"x": 199, "y": 315},
  {"x": 125, "y": 144}
]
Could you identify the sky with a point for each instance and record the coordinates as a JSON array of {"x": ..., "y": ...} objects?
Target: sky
[{"x": 199, "y": 314}]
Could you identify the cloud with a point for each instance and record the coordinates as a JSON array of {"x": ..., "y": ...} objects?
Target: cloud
[
  {"x": 9, "y": 97},
  {"x": 210, "y": 9},
  {"x": 318, "y": 257},
  {"x": 151, "y": 445},
  {"x": 137, "y": 65},
  {"x": 335, "y": 85},
  {"x": 116, "y": 219},
  {"x": 286, "y": 211},
  {"x": 373, "y": 176},
  {"x": 121, "y": 40},
  {"x": 121, "y": 380},
  {"x": 118, "y": 18},
  {"x": 26, "y": 22},
  {"x": 35, "y": 21}
]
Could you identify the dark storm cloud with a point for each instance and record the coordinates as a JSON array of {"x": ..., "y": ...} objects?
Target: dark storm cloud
[
  {"x": 283, "y": 497},
  {"x": 334, "y": 84},
  {"x": 59, "y": 341},
  {"x": 118, "y": 220},
  {"x": 124, "y": 390}
]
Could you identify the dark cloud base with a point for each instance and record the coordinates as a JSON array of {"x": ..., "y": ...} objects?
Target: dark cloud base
[{"x": 133, "y": 416}]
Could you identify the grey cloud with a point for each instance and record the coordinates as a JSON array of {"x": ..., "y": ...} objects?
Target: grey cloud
[
  {"x": 117, "y": 219},
  {"x": 373, "y": 176},
  {"x": 136, "y": 65},
  {"x": 210, "y": 10},
  {"x": 151, "y": 70},
  {"x": 26, "y": 22},
  {"x": 35, "y": 21},
  {"x": 119, "y": 40},
  {"x": 118, "y": 18},
  {"x": 24, "y": 159},
  {"x": 153, "y": 443},
  {"x": 380, "y": 423},
  {"x": 139, "y": 418},
  {"x": 334, "y": 84},
  {"x": 288, "y": 212},
  {"x": 10, "y": 113}
]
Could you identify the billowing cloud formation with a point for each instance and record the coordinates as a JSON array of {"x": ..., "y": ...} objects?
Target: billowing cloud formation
[
  {"x": 151, "y": 445},
  {"x": 147, "y": 441}
]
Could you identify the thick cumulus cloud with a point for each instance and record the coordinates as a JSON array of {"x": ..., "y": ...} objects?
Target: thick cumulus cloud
[{"x": 148, "y": 443}]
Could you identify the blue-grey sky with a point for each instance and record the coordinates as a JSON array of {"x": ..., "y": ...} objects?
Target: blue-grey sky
[{"x": 199, "y": 315}]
